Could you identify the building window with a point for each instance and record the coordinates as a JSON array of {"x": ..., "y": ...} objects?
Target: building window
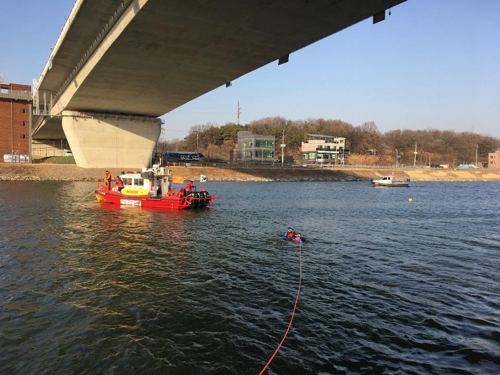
[
  {"x": 23, "y": 123},
  {"x": 23, "y": 110},
  {"x": 23, "y": 136},
  {"x": 264, "y": 154},
  {"x": 264, "y": 144}
]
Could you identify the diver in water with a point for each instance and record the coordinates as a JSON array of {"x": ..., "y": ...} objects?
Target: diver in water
[
  {"x": 289, "y": 233},
  {"x": 298, "y": 238}
]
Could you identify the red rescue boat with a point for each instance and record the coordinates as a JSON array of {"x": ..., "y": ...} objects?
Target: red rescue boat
[{"x": 153, "y": 188}]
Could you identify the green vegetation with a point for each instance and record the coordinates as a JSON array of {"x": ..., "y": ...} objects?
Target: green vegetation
[
  {"x": 433, "y": 146},
  {"x": 59, "y": 160}
]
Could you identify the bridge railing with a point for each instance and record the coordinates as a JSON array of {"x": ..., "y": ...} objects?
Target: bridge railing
[
  {"x": 46, "y": 108},
  {"x": 97, "y": 41}
]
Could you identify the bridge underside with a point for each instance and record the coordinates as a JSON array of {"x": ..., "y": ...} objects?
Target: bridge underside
[{"x": 153, "y": 56}]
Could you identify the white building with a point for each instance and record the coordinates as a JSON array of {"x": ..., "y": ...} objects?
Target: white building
[{"x": 324, "y": 149}]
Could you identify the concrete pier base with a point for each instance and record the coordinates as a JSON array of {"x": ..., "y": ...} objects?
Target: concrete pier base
[{"x": 110, "y": 141}]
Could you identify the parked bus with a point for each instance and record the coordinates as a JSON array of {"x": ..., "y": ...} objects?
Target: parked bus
[{"x": 177, "y": 157}]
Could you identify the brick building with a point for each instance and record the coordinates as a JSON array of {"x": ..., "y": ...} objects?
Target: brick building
[
  {"x": 494, "y": 160},
  {"x": 15, "y": 119}
]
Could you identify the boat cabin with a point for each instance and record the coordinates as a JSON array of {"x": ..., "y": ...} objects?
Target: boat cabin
[
  {"x": 387, "y": 179},
  {"x": 150, "y": 182}
]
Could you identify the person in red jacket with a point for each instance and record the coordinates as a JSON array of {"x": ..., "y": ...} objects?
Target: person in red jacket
[
  {"x": 107, "y": 180},
  {"x": 119, "y": 183},
  {"x": 298, "y": 238},
  {"x": 289, "y": 233}
]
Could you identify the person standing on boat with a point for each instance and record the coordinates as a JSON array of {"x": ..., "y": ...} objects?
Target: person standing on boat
[
  {"x": 119, "y": 183},
  {"x": 189, "y": 185},
  {"x": 107, "y": 180}
]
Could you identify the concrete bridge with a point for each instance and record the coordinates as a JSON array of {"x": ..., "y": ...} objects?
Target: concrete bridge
[{"x": 120, "y": 64}]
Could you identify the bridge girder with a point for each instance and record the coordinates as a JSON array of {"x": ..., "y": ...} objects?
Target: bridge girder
[{"x": 148, "y": 57}]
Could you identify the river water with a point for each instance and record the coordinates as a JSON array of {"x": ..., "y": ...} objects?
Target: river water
[{"x": 389, "y": 285}]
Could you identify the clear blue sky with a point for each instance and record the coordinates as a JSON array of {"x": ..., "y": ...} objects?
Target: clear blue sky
[{"x": 431, "y": 64}]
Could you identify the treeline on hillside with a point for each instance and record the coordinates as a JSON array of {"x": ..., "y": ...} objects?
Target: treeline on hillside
[{"x": 438, "y": 146}]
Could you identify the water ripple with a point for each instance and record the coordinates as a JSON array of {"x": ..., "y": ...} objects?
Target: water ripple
[{"x": 389, "y": 286}]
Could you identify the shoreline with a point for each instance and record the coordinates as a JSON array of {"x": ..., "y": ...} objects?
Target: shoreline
[{"x": 230, "y": 172}]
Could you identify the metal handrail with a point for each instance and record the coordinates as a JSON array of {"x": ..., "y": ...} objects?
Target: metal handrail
[{"x": 97, "y": 41}]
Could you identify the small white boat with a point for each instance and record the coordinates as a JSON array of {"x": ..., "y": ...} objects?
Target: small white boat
[{"x": 389, "y": 181}]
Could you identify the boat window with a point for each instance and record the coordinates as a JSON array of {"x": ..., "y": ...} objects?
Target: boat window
[{"x": 138, "y": 181}]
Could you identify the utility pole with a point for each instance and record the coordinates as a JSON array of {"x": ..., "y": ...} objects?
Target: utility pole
[
  {"x": 239, "y": 112},
  {"x": 477, "y": 146},
  {"x": 415, "y": 156},
  {"x": 283, "y": 148}
]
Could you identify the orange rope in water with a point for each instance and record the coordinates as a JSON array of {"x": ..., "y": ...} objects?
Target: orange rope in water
[{"x": 293, "y": 314}]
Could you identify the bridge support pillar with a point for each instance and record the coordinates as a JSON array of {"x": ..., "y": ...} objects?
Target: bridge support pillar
[{"x": 110, "y": 141}]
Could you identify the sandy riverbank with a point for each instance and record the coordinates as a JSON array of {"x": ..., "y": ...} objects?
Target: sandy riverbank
[{"x": 227, "y": 172}]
